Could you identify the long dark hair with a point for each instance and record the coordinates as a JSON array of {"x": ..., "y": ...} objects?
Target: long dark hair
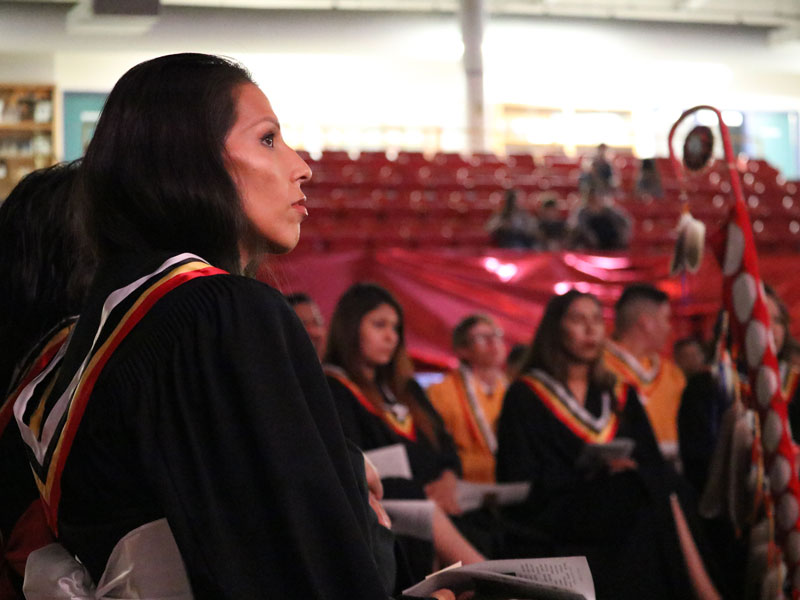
[
  {"x": 154, "y": 173},
  {"x": 547, "y": 351},
  {"x": 46, "y": 266},
  {"x": 344, "y": 343},
  {"x": 344, "y": 351}
]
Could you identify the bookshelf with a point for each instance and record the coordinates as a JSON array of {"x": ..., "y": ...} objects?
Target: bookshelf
[{"x": 26, "y": 131}]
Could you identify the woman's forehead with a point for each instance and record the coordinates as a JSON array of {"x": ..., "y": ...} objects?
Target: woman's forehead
[{"x": 584, "y": 305}]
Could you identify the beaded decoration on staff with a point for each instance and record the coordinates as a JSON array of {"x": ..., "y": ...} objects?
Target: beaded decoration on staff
[{"x": 744, "y": 300}]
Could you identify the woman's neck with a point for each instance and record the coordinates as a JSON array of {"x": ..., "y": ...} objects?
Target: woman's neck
[
  {"x": 488, "y": 376},
  {"x": 367, "y": 372},
  {"x": 578, "y": 380}
]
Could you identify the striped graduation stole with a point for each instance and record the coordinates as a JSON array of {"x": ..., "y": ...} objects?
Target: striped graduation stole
[
  {"x": 790, "y": 384},
  {"x": 49, "y": 407},
  {"x": 473, "y": 412},
  {"x": 403, "y": 427},
  {"x": 591, "y": 429},
  {"x": 624, "y": 365},
  {"x": 36, "y": 360}
]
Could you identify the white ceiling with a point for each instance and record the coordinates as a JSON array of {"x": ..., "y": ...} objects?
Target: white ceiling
[{"x": 773, "y": 13}]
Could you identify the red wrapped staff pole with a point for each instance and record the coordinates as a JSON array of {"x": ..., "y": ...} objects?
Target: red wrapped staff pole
[{"x": 743, "y": 298}]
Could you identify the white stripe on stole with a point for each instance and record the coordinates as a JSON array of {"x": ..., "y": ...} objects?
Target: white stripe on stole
[
  {"x": 116, "y": 297},
  {"x": 468, "y": 379},
  {"x": 646, "y": 375},
  {"x": 596, "y": 423}
]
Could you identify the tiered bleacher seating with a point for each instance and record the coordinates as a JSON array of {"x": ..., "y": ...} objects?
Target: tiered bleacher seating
[{"x": 411, "y": 201}]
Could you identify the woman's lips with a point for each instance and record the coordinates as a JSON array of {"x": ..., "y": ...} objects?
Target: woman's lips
[{"x": 300, "y": 206}]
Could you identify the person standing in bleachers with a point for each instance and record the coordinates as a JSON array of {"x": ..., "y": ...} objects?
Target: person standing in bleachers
[
  {"x": 597, "y": 170},
  {"x": 642, "y": 327},
  {"x": 648, "y": 185},
  {"x": 470, "y": 397}
]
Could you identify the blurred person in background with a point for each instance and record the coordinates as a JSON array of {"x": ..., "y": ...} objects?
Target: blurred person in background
[
  {"x": 46, "y": 270},
  {"x": 553, "y": 232},
  {"x": 625, "y": 512},
  {"x": 690, "y": 355},
  {"x": 648, "y": 185},
  {"x": 470, "y": 397},
  {"x": 380, "y": 404},
  {"x": 597, "y": 224},
  {"x": 512, "y": 226},
  {"x": 784, "y": 349},
  {"x": 642, "y": 328},
  {"x": 312, "y": 319}
]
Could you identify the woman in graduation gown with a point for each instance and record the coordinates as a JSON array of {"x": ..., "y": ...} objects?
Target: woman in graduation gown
[
  {"x": 185, "y": 442},
  {"x": 619, "y": 512},
  {"x": 380, "y": 404},
  {"x": 45, "y": 275}
]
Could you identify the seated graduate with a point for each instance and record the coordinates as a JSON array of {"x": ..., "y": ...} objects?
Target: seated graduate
[
  {"x": 312, "y": 319},
  {"x": 642, "y": 326},
  {"x": 470, "y": 397},
  {"x": 784, "y": 347},
  {"x": 185, "y": 443},
  {"x": 621, "y": 512},
  {"x": 380, "y": 404},
  {"x": 45, "y": 273},
  {"x": 709, "y": 393}
]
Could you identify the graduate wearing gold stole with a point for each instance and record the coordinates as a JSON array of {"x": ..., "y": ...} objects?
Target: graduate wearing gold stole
[
  {"x": 641, "y": 329},
  {"x": 470, "y": 397}
]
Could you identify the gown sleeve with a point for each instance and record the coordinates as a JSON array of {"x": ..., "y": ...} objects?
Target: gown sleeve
[
  {"x": 237, "y": 434},
  {"x": 697, "y": 430}
]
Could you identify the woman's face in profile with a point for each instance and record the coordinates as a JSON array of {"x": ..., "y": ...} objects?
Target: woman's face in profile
[{"x": 268, "y": 175}]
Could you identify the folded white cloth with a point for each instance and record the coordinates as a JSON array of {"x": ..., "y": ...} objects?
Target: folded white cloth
[{"x": 144, "y": 565}]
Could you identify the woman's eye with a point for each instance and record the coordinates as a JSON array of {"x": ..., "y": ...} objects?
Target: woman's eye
[{"x": 268, "y": 140}]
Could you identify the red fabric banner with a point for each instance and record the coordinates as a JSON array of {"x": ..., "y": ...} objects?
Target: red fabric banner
[{"x": 438, "y": 288}]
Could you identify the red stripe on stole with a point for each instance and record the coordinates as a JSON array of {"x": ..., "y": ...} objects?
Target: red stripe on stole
[
  {"x": 79, "y": 403},
  {"x": 372, "y": 409},
  {"x": 571, "y": 421},
  {"x": 39, "y": 364}
]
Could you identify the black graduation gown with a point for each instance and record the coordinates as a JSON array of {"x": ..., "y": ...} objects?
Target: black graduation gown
[
  {"x": 482, "y": 527},
  {"x": 368, "y": 432},
  {"x": 214, "y": 413},
  {"x": 791, "y": 390},
  {"x": 22, "y": 523},
  {"x": 622, "y": 523},
  {"x": 703, "y": 405},
  {"x": 19, "y": 493}
]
